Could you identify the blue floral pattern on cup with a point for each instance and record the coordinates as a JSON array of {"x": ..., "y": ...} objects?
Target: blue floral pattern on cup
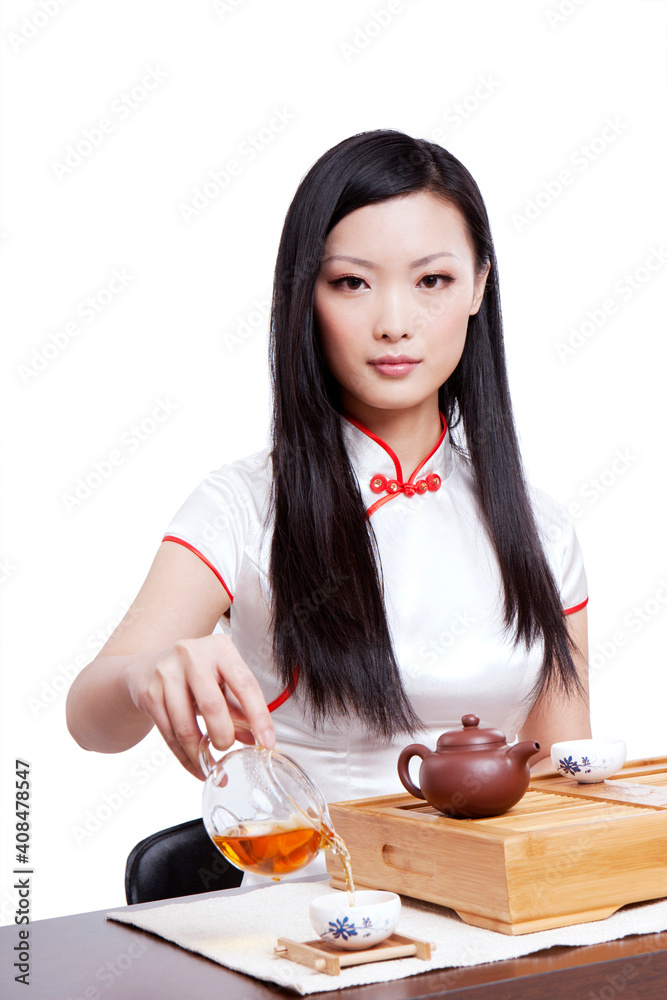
[
  {"x": 342, "y": 929},
  {"x": 373, "y": 918},
  {"x": 588, "y": 760},
  {"x": 569, "y": 766}
]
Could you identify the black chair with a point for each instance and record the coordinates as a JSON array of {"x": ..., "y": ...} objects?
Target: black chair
[{"x": 180, "y": 861}]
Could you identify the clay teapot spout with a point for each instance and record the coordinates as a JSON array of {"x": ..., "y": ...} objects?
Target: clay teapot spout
[{"x": 522, "y": 752}]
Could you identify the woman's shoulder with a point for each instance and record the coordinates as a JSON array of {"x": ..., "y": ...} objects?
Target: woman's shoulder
[
  {"x": 251, "y": 473},
  {"x": 545, "y": 505},
  {"x": 222, "y": 518},
  {"x": 555, "y": 523},
  {"x": 244, "y": 483},
  {"x": 237, "y": 492},
  {"x": 553, "y": 517},
  {"x": 554, "y": 520}
]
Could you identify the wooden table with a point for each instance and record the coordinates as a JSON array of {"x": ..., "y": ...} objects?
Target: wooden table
[{"x": 85, "y": 957}]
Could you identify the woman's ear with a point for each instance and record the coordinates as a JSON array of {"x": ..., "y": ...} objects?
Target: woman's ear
[{"x": 480, "y": 285}]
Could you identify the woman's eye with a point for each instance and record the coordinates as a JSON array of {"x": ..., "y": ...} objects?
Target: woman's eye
[
  {"x": 348, "y": 281},
  {"x": 353, "y": 283},
  {"x": 431, "y": 280}
]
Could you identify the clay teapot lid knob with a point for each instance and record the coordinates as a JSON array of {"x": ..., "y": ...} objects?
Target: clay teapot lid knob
[{"x": 469, "y": 736}]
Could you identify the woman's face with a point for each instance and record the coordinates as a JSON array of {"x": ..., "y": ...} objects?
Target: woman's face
[{"x": 392, "y": 299}]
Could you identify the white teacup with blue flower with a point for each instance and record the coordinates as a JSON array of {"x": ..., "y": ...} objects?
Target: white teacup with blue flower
[
  {"x": 373, "y": 918},
  {"x": 588, "y": 760}
]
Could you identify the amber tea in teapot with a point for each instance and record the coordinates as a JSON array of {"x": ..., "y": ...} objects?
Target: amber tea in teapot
[
  {"x": 270, "y": 848},
  {"x": 265, "y": 815}
]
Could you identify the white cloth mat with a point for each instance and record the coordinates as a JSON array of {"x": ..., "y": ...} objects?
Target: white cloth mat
[{"x": 240, "y": 932}]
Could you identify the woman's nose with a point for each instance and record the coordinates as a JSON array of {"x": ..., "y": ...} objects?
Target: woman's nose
[{"x": 394, "y": 318}]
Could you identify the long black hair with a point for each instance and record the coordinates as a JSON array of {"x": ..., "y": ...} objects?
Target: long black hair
[{"x": 328, "y": 611}]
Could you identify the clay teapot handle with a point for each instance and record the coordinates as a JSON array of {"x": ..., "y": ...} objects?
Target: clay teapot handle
[{"x": 406, "y": 755}]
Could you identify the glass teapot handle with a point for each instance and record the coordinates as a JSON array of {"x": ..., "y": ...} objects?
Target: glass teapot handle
[{"x": 206, "y": 760}]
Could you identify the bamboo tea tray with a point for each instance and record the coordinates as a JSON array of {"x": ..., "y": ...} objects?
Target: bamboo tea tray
[{"x": 565, "y": 854}]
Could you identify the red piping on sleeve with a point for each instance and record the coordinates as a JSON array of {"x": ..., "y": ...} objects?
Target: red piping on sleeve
[
  {"x": 289, "y": 690},
  {"x": 577, "y": 607},
  {"x": 179, "y": 541}
]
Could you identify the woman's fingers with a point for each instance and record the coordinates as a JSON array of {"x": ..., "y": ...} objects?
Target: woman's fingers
[
  {"x": 243, "y": 698},
  {"x": 194, "y": 690},
  {"x": 159, "y": 713},
  {"x": 207, "y": 677},
  {"x": 245, "y": 736},
  {"x": 242, "y": 730},
  {"x": 244, "y": 695},
  {"x": 208, "y": 665}
]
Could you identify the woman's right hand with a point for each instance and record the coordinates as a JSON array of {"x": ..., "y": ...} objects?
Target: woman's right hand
[
  {"x": 207, "y": 677},
  {"x": 148, "y": 674}
]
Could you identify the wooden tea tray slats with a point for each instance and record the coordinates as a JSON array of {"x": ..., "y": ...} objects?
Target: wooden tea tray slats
[
  {"x": 638, "y": 793},
  {"x": 657, "y": 780},
  {"x": 585, "y": 813},
  {"x": 565, "y": 853},
  {"x": 539, "y": 808},
  {"x": 640, "y": 783},
  {"x": 646, "y": 765},
  {"x": 533, "y": 801}
]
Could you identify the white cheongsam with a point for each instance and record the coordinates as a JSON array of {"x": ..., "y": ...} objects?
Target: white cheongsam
[{"x": 443, "y": 596}]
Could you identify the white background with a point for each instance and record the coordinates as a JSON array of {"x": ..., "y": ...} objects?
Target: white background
[{"x": 536, "y": 88}]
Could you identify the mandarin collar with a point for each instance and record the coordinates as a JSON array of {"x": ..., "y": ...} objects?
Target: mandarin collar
[{"x": 379, "y": 471}]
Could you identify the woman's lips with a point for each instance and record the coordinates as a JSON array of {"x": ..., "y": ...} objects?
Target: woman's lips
[{"x": 394, "y": 365}]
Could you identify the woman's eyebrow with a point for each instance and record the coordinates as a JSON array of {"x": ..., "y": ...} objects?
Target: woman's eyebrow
[{"x": 369, "y": 263}]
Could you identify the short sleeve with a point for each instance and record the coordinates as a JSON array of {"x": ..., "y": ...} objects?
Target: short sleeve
[
  {"x": 563, "y": 551},
  {"x": 214, "y": 523}
]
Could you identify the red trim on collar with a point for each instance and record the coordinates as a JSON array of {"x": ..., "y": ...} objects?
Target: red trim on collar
[
  {"x": 179, "y": 541},
  {"x": 378, "y": 503},
  {"x": 392, "y": 455},
  {"x": 397, "y": 465},
  {"x": 431, "y": 453}
]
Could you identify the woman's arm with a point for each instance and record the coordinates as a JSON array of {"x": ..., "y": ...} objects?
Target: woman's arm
[
  {"x": 163, "y": 667},
  {"x": 555, "y": 717}
]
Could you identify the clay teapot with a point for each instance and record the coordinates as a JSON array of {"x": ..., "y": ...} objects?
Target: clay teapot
[{"x": 472, "y": 773}]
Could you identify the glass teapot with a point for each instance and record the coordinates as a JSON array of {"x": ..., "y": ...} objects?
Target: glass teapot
[{"x": 262, "y": 811}]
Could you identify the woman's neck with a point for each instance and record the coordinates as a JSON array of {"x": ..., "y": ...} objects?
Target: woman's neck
[{"x": 410, "y": 433}]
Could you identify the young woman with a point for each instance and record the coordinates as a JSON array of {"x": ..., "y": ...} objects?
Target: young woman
[{"x": 383, "y": 569}]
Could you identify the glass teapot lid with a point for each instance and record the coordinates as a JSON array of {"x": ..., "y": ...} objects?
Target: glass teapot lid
[{"x": 470, "y": 736}]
